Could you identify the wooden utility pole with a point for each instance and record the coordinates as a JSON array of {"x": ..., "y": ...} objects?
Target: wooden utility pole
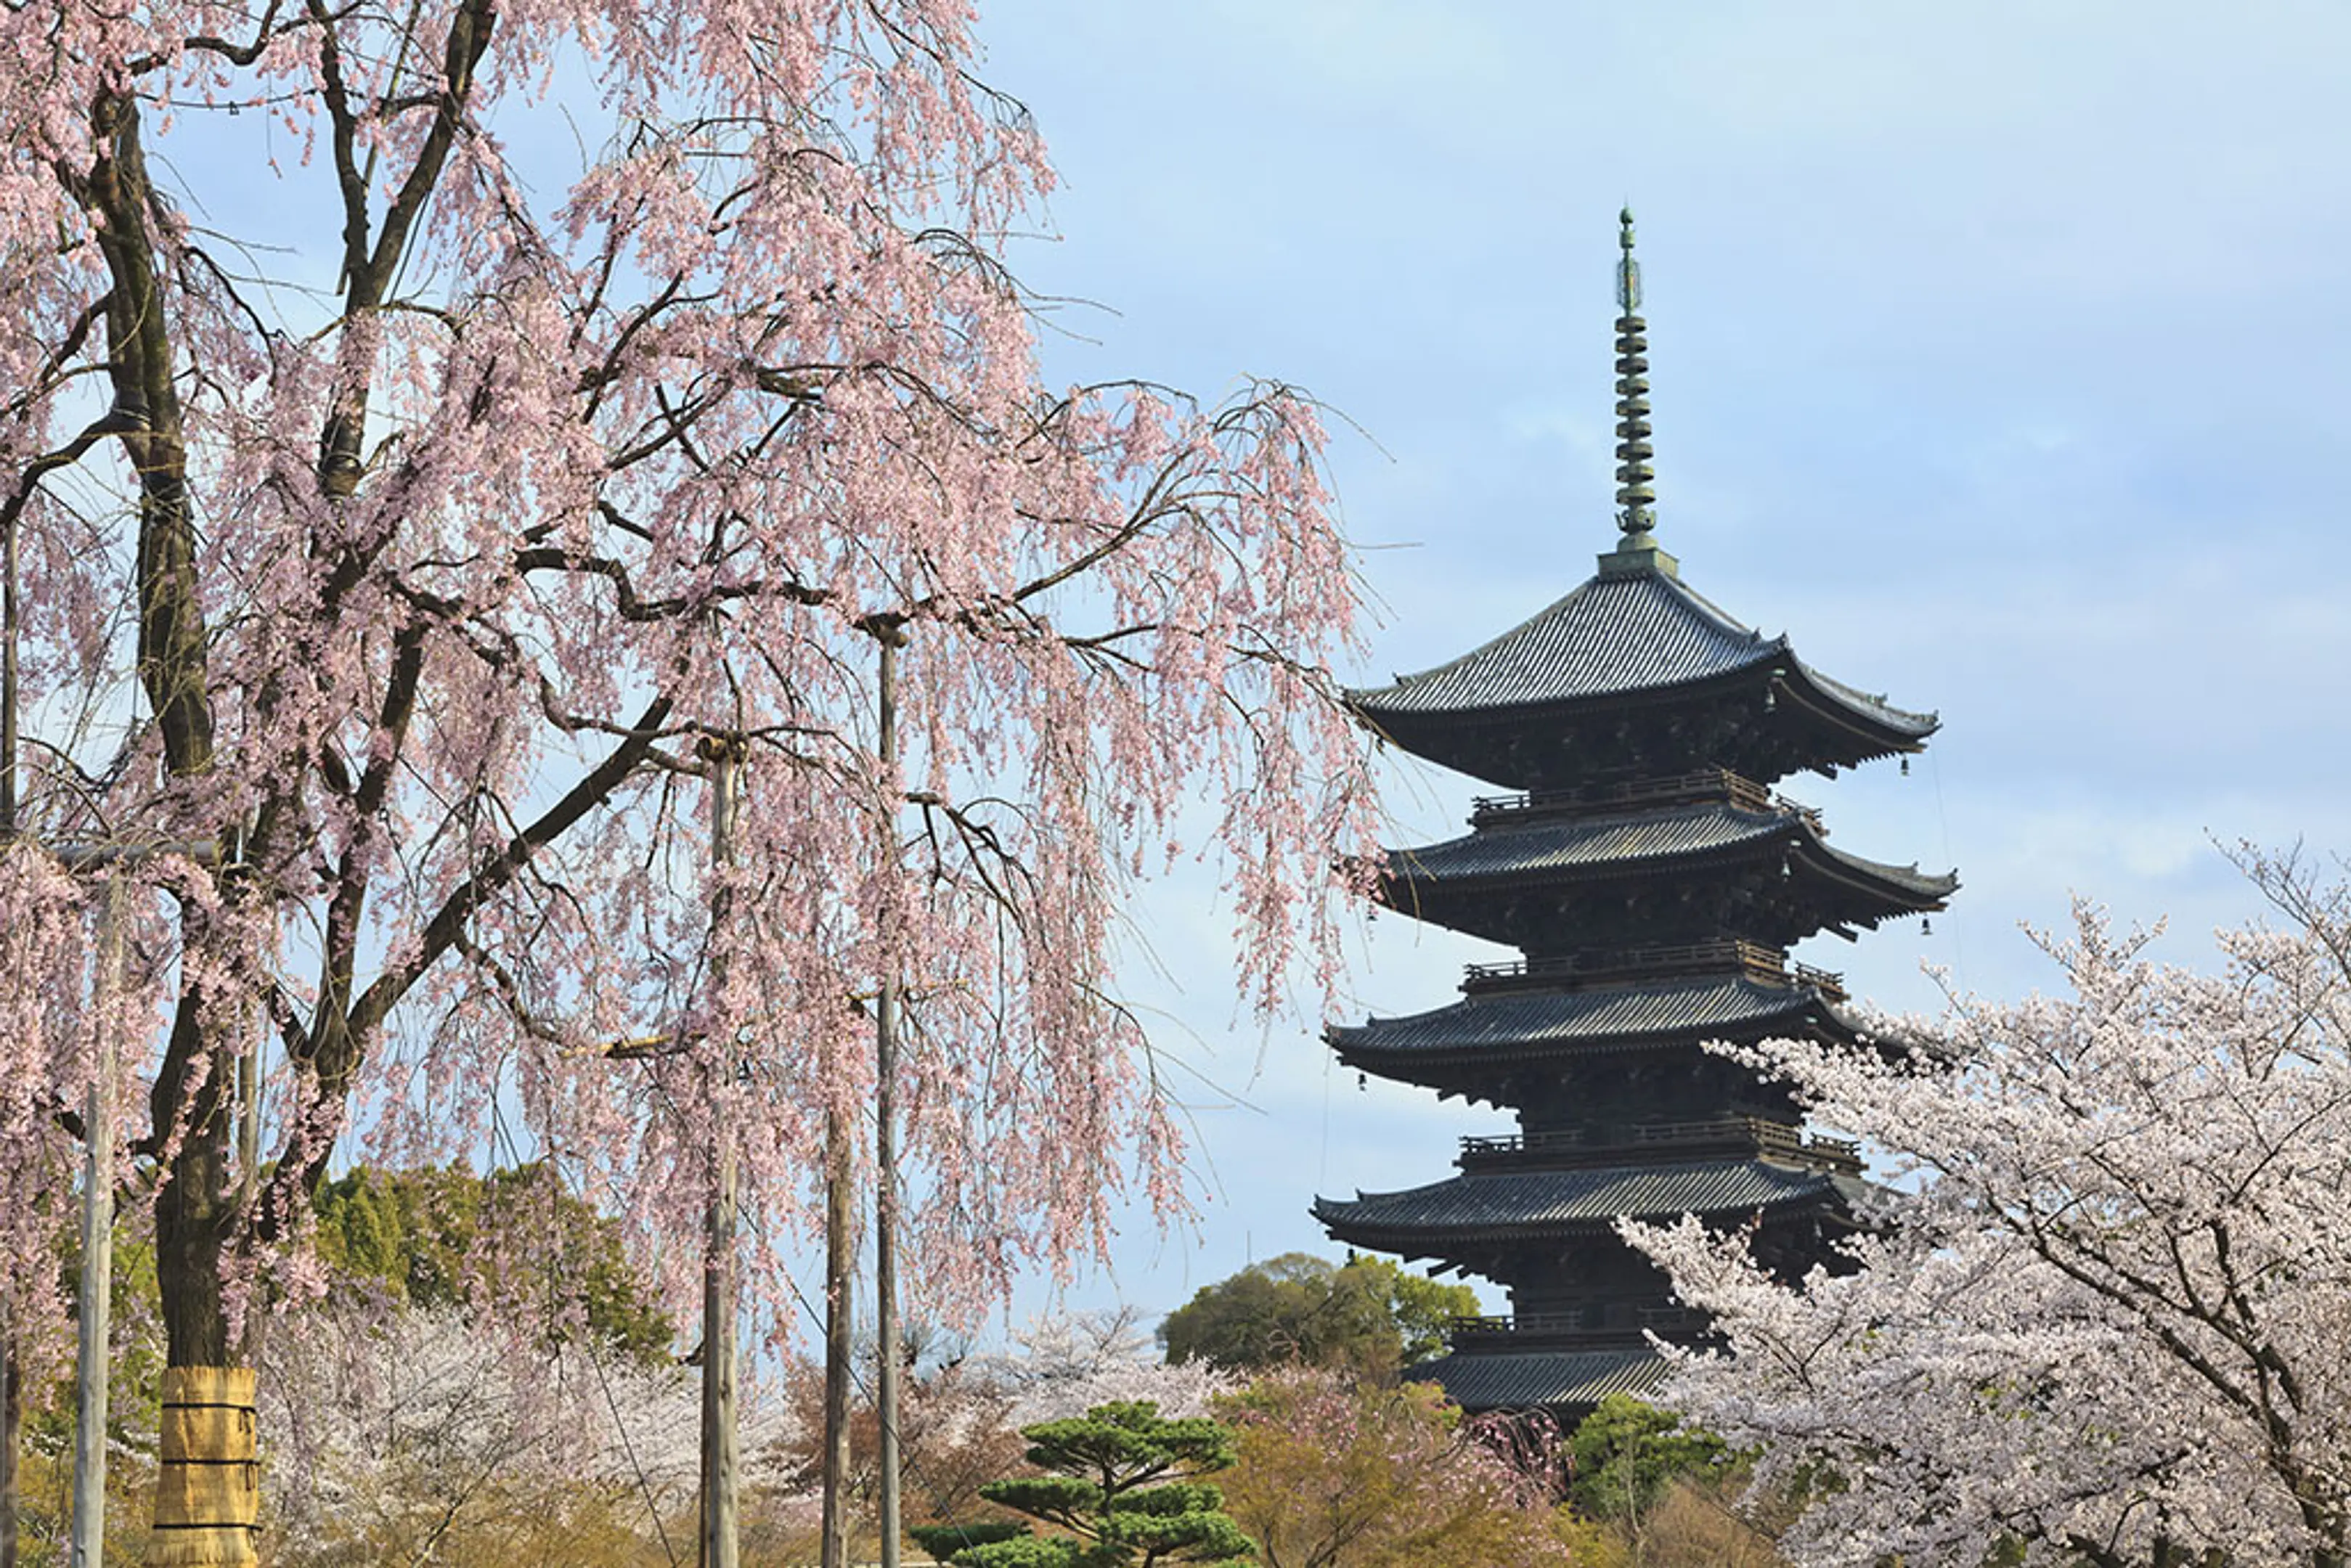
[
  {"x": 885, "y": 1156},
  {"x": 840, "y": 1319},
  {"x": 94, "y": 1336},
  {"x": 93, "y": 1328},
  {"x": 718, "y": 1266},
  {"x": 839, "y": 1215}
]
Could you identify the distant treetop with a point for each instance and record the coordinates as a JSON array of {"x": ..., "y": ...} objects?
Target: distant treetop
[{"x": 1365, "y": 1314}]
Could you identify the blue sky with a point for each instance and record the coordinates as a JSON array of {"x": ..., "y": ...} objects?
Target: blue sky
[{"x": 1999, "y": 355}]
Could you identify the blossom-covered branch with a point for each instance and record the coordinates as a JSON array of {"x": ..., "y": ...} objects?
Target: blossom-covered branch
[
  {"x": 2103, "y": 1312},
  {"x": 401, "y": 566}
]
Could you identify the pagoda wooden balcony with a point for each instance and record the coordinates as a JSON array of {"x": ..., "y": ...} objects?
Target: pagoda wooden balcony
[
  {"x": 1768, "y": 965},
  {"x": 1713, "y": 1134},
  {"x": 1679, "y": 790},
  {"x": 1528, "y": 1329}
]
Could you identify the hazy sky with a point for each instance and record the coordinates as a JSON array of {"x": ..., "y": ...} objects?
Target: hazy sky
[{"x": 1999, "y": 355}]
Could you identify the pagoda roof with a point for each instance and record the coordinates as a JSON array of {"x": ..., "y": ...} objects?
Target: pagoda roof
[
  {"x": 1582, "y": 846},
  {"x": 1619, "y": 634},
  {"x": 1512, "y": 1204},
  {"x": 1529, "y": 1023},
  {"x": 1530, "y": 1379}
]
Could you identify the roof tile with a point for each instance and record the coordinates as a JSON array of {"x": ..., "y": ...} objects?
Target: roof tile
[
  {"x": 1577, "y": 843},
  {"x": 1520, "y": 1201},
  {"x": 1612, "y": 634},
  {"x": 1526, "y": 1380},
  {"x": 1727, "y": 1002}
]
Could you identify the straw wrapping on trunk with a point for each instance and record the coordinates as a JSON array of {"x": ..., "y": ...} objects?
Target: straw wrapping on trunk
[{"x": 208, "y": 1485}]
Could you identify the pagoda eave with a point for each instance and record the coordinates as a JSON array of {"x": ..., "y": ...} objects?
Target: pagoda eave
[
  {"x": 1572, "y": 1381},
  {"x": 1428, "y": 1064},
  {"x": 1451, "y": 1049},
  {"x": 1488, "y": 886},
  {"x": 1876, "y": 728},
  {"x": 1442, "y": 1219},
  {"x": 1774, "y": 717}
]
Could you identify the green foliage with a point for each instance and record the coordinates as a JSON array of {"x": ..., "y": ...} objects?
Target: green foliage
[
  {"x": 1424, "y": 1308},
  {"x": 1177, "y": 1498},
  {"x": 1627, "y": 1454},
  {"x": 1129, "y": 1440},
  {"x": 1183, "y": 1537},
  {"x": 944, "y": 1541},
  {"x": 1022, "y": 1552},
  {"x": 1122, "y": 1482},
  {"x": 1061, "y": 1499},
  {"x": 1365, "y": 1315},
  {"x": 415, "y": 1234}
]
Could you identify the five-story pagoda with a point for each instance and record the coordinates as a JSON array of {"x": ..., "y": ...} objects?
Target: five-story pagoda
[{"x": 1654, "y": 884}]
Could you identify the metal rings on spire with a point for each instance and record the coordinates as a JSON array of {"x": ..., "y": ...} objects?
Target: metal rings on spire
[{"x": 1636, "y": 497}]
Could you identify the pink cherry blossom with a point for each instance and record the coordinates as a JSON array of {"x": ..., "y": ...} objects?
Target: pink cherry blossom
[
  {"x": 2102, "y": 1313},
  {"x": 427, "y": 430}
]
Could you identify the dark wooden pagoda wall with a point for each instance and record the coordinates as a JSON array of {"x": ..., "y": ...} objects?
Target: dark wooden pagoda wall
[
  {"x": 1653, "y": 883},
  {"x": 1604, "y": 1091},
  {"x": 1625, "y": 1104}
]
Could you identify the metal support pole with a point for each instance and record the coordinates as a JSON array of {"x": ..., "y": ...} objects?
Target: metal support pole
[
  {"x": 248, "y": 1120},
  {"x": 248, "y": 1164},
  {"x": 718, "y": 1368},
  {"x": 248, "y": 1132},
  {"x": 885, "y": 1154},
  {"x": 88, "y": 1549}
]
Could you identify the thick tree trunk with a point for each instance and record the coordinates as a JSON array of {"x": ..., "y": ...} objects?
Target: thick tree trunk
[
  {"x": 204, "y": 1493},
  {"x": 207, "y": 1490},
  {"x": 192, "y": 1222}
]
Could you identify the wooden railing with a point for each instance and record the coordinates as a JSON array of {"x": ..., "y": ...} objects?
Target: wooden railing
[
  {"x": 1772, "y": 1138},
  {"x": 1532, "y": 1325},
  {"x": 1756, "y": 962},
  {"x": 1827, "y": 982},
  {"x": 1703, "y": 784}
]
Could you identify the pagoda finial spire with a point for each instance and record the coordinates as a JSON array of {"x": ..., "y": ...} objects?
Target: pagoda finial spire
[{"x": 1636, "y": 501}]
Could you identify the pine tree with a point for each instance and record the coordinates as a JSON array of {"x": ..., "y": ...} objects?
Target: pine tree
[{"x": 1123, "y": 1481}]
